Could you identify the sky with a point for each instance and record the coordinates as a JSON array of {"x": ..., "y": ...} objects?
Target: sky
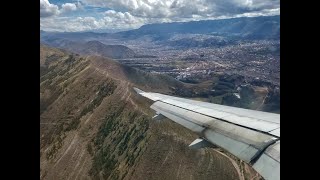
[{"x": 119, "y": 15}]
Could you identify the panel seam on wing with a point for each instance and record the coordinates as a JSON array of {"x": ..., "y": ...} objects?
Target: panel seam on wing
[{"x": 264, "y": 132}]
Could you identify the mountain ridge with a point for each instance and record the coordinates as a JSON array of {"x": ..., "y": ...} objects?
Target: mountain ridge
[
  {"x": 93, "y": 47},
  {"x": 94, "y": 126}
]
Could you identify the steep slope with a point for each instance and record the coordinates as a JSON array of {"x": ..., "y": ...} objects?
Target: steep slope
[{"x": 93, "y": 126}]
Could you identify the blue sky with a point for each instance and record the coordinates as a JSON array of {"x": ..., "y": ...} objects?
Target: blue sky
[{"x": 117, "y": 15}]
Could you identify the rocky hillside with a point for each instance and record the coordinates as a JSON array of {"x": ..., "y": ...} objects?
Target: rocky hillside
[{"x": 94, "y": 126}]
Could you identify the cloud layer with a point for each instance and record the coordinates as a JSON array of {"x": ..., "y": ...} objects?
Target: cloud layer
[
  {"x": 186, "y": 8},
  {"x": 47, "y": 9},
  {"x": 67, "y": 7},
  {"x": 128, "y": 14}
]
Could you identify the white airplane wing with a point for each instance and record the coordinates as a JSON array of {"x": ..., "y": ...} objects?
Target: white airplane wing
[{"x": 253, "y": 136}]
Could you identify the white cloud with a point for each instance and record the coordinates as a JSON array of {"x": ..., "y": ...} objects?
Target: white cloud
[
  {"x": 122, "y": 19},
  {"x": 47, "y": 9},
  {"x": 186, "y": 8},
  {"x": 111, "y": 20},
  {"x": 129, "y": 14},
  {"x": 67, "y": 7},
  {"x": 267, "y": 12},
  {"x": 68, "y": 24},
  {"x": 64, "y": 24}
]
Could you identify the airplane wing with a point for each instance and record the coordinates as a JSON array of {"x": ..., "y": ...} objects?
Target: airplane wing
[{"x": 253, "y": 136}]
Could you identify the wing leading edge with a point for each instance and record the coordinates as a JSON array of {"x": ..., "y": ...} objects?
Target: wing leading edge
[{"x": 253, "y": 136}]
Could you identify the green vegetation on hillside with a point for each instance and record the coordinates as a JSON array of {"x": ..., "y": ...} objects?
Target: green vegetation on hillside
[
  {"x": 121, "y": 139},
  {"x": 156, "y": 81}
]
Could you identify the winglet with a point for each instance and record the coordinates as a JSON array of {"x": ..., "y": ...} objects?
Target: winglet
[{"x": 199, "y": 143}]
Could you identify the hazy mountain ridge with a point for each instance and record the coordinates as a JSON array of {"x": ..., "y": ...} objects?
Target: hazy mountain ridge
[
  {"x": 93, "y": 47},
  {"x": 112, "y": 51},
  {"x": 227, "y": 30},
  {"x": 263, "y": 27}
]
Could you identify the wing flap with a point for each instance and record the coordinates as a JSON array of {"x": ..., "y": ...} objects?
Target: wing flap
[
  {"x": 268, "y": 165},
  {"x": 275, "y": 132},
  {"x": 240, "y": 141}
]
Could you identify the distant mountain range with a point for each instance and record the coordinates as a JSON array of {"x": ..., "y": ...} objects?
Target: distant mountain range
[
  {"x": 262, "y": 27},
  {"x": 208, "y": 33}
]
